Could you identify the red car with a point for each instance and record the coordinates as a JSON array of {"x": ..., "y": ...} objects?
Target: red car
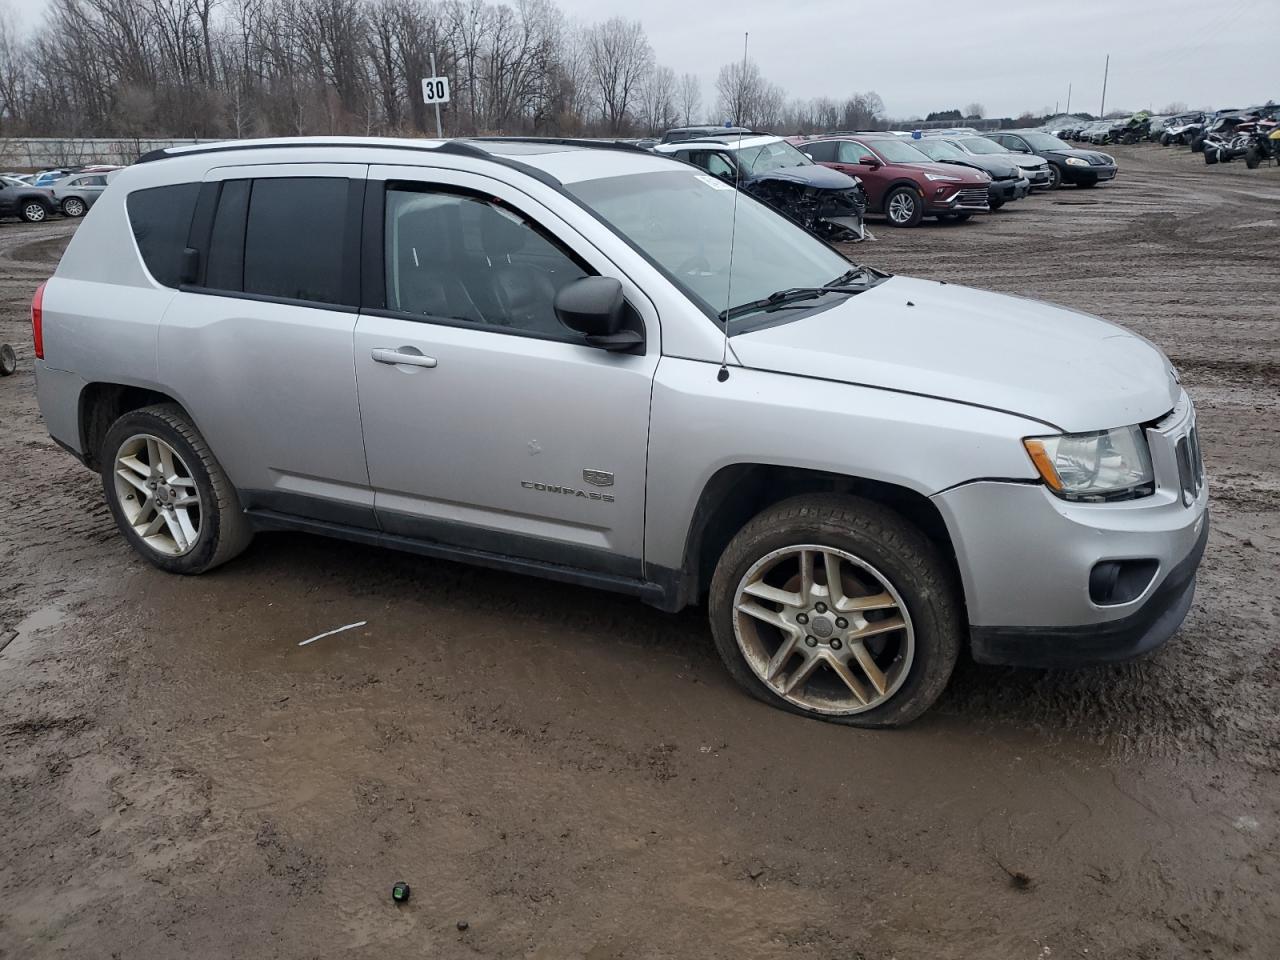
[{"x": 901, "y": 183}]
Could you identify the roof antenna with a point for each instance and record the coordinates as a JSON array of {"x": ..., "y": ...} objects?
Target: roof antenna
[{"x": 723, "y": 374}]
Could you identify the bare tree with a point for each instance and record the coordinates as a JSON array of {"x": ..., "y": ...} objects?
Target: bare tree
[
  {"x": 689, "y": 98},
  {"x": 619, "y": 56},
  {"x": 975, "y": 111},
  {"x": 658, "y": 110}
]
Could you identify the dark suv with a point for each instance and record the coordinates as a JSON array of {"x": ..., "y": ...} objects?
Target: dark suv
[{"x": 902, "y": 183}]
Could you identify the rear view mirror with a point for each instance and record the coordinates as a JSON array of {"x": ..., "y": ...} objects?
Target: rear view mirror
[{"x": 594, "y": 306}]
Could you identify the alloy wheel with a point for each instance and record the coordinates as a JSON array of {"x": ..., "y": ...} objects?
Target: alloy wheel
[
  {"x": 823, "y": 629},
  {"x": 158, "y": 495},
  {"x": 902, "y": 207},
  {"x": 35, "y": 212},
  {"x": 73, "y": 207}
]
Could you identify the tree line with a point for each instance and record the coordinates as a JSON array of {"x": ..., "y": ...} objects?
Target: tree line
[{"x": 244, "y": 68}]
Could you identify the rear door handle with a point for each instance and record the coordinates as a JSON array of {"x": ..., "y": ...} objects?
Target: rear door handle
[{"x": 390, "y": 355}]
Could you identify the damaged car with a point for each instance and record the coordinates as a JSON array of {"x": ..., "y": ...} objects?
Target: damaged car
[
  {"x": 1007, "y": 181},
  {"x": 827, "y": 203}
]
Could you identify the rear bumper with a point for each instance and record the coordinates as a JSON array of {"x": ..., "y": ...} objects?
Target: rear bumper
[{"x": 58, "y": 394}]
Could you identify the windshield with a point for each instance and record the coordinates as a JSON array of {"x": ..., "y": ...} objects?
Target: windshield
[
  {"x": 896, "y": 151},
  {"x": 682, "y": 222},
  {"x": 940, "y": 150},
  {"x": 770, "y": 156},
  {"x": 981, "y": 145},
  {"x": 1044, "y": 141}
]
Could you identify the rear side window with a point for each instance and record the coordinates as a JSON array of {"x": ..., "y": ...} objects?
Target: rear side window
[
  {"x": 161, "y": 220},
  {"x": 822, "y": 151},
  {"x": 294, "y": 238}
]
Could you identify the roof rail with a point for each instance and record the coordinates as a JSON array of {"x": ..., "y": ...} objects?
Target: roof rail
[{"x": 562, "y": 142}]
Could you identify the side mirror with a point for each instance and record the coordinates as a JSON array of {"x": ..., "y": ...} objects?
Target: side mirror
[
  {"x": 872, "y": 162},
  {"x": 594, "y": 306}
]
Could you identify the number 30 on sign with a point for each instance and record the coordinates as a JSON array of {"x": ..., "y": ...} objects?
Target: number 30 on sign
[{"x": 435, "y": 90}]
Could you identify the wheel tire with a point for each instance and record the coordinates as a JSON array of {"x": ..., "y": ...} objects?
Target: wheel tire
[
  {"x": 1055, "y": 177},
  {"x": 33, "y": 212},
  {"x": 73, "y": 207},
  {"x": 224, "y": 530},
  {"x": 1197, "y": 145},
  {"x": 1252, "y": 158},
  {"x": 1164, "y": 140},
  {"x": 8, "y": 360},
  {"x": 905, "y": 558},
  {"x": 908, "y": 200},
  {"x": 1210, "y": 157}
]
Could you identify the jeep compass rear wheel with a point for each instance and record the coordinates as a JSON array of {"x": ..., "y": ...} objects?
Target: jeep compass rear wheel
[
  {"x": 169, "y": 496},
  {"x": 835, "y": 607}
]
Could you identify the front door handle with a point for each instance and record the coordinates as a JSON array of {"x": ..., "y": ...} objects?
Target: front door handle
[{"x": 391, "y": 355}]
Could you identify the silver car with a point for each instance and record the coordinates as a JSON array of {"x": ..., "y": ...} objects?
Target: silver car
[
  {"x": 550, "y": 358},
  {"x": 76, "y": 194}
]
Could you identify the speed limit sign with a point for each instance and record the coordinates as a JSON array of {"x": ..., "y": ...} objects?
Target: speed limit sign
[{"x": 435, "y": 90}]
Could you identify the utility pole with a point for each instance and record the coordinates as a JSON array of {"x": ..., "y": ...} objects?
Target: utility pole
[
  {"x": 439, "y": 129},
  {"x": 1102, "y": 111},
  {"x": 1068, "y": 98}
]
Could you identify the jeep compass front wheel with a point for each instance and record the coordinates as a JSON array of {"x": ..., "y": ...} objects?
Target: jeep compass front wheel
[
  {"x": 169, "y": 496},
  {"x": 835, "y": 607}
]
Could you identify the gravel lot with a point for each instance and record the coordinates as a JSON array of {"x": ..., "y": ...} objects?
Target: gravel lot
[{"x": 572, "y": 775}]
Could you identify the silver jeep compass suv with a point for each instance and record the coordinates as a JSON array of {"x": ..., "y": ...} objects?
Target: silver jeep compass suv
[{"x": 603, "y": 366}]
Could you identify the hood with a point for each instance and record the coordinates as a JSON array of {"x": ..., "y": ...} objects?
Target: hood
[
  {"x": 1082, "y": 154},
  {"x": 810, "y": 175},
  {"x": 997, "y": 166},
  {"x": 1067, "y": 369}
]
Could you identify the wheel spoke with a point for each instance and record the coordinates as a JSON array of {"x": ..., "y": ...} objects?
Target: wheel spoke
[
  {"x": 175, "y": 529},
  {"x": 869, "y": 667},
  {"x": 166, "y": 462},
  {"x": 799, "y": 675},
  {"x": 762, "y": 591},
  {"x": 189, "y": 532},
  {"x": 806, "y": 576},
  {"x": 134, "y": 464},
  {"x": 855, "y": 686},
  {"x": 835, "y": 587},
  {"x": 771, "y": 617},
  {"x": 133, "y": 480},
  {"x": 879, "y": 601},
  {"x": 187, "y": 500},
  {"x": 157, "y": 521},
  {"x": 780, "y": 658},
  {"x": 153, "y": 455},
  {"x": 887, "y": 625}
]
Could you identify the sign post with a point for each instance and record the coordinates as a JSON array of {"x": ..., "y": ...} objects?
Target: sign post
[{"x": 435, "y": 90}]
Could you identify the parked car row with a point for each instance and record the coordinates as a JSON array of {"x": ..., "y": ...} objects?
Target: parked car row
[
  {"x": 36, "y": 197},
  {"x": 1220, "y": 135},
  {"x": 830, "y": 182}
]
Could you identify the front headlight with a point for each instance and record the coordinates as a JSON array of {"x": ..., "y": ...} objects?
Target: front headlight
[
  {"x": 943, "y": 178},
  {"x": 1108, "y": 465},
  {"x": 1077, "y": 161}
]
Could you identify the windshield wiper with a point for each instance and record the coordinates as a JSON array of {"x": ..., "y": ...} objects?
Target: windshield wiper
[{"x": 785, "y": 298}]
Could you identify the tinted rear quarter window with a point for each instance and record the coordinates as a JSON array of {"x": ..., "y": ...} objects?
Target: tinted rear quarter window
[
  {"x": 294, "y": 238},
  {"x": 161, "y": 220}
]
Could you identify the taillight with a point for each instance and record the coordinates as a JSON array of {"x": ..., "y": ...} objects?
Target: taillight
[{"x": 37, "y": 321}]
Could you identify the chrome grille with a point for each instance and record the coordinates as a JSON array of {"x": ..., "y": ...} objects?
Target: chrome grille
[{"x": 974, "y": 197}]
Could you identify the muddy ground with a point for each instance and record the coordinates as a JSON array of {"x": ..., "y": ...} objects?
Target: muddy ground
[{"x": 572, "y": 774}]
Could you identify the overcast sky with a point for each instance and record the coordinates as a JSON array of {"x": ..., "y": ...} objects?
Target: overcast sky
[{"x": 1009, "y": 55}]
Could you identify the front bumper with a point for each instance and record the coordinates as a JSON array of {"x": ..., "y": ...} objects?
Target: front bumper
[
  {"x": 1002, "y": 191},
  {"x": 1037, "y": 177},
  {"x": 1094, "y": 173},
  {"x": 1026, "y": 556}
]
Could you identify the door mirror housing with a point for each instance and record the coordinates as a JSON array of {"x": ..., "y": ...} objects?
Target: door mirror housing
[
  {"x": 872, "y": 162},
  {"x": 594, "y": 306}
]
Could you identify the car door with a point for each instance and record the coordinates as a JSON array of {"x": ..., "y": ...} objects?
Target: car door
[
  {"x": 859, "y": 161},
  {"x": 488, "y": 424},
  {"x": 8, "y": 200},
  {"x": 90, "y": 188},
  {"x": 258, "y": 340}
]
